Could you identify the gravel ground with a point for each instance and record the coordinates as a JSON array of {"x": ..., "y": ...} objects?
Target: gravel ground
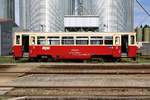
[
  {"x": 82, "y": 80},
  {"x": 75, "y": 84},
  {"x": 82, "y": 98},
  {"x": 79, "y": 92}
]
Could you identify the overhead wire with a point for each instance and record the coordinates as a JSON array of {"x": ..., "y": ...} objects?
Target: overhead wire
[
  {"x": 148, "y": 14},
  {"x": 143, "y": 8}
]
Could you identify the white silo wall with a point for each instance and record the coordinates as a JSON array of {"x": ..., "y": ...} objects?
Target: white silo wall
[
  {"x": 115, "y": 15},
  {"x": 46, "y": 13}
]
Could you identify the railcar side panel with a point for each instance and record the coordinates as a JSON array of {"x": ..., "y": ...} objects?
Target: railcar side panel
[
  {"x": 116, "y": 51},
  {"x": 70, "y": 52},
  {"x": 17, "y": 51},
  {"x": 132, "y": 51}
]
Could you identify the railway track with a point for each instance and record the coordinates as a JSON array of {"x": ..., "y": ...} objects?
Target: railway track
[
  {"x": 75, "y": 81},
  {"x": 83, "y": 98}
]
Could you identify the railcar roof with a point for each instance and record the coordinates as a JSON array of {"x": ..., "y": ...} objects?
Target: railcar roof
[{"x": 75, "y": 33}]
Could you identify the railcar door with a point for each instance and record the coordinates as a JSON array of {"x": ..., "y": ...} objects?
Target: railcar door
[
  {"x": 124, "y": 45},
  {"x": 25, "y": 45}
]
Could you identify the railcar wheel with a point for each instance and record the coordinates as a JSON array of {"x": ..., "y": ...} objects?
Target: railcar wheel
[
  {"x": 134, "y": 58},
  {"x": 97, "y": 60},
  {"x": 30, "y": 59},
  {"x": 50, "y": 59},
  {"x": 116, "y": 60},
  {"x": 16, "y": 58},
  {"x": 39, "y": 59}
]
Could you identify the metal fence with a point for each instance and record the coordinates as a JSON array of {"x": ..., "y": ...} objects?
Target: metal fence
[{"x": 145, "y": 49}]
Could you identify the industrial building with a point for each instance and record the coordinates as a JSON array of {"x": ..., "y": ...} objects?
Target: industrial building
[
  {"x": 79, "y": 7},
  {"x": 48, "y": 15},
  {"x": 7, "y": 21}
]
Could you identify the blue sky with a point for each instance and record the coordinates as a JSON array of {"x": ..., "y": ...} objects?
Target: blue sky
[{"x": 140, "y": 17}]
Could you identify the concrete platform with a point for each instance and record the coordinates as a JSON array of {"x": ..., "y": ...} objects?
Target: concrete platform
[
  {"x": 7, "y": 77},
  {"x": 81, "y": 80},
  {"x": 3, "y": 91}
]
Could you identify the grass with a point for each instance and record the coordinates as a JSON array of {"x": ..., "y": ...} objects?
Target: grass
[
  {"x": 11, "y": 60},
  {"x": 7, "y": 60},
  {"x": 144, "y": 59},
  {"x": 4, "y": 97}
]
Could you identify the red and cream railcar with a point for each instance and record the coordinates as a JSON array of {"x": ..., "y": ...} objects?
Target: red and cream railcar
[{"x": 81, "y": 46}]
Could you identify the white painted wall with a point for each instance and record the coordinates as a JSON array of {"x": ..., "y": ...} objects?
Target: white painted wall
[{"x": 81, "y": 21}]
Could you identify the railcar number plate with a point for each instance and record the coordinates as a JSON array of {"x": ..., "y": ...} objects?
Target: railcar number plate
[{"x": 45, "y": 48}]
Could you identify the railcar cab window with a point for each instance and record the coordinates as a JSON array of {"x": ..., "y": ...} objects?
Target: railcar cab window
[
  {"x": 41, "y": 40},
  {"x": 32, "y": 40},
  {"x": 17, "y": 39},
  {"x": 53, "y": 40},
  {"x": 67, "y": 40},
  {"x": 82, "y": 40},
  {"x": 132, "y": 39},
  {"x": 96, "y": 40},
  {"x": 117, "y": 40},
  {"x": 108, "y": 40}
]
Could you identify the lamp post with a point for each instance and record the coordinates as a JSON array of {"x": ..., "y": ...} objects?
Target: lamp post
[
  {"x": 42, "y": 27},
  {"x": 106, "y": 26}
]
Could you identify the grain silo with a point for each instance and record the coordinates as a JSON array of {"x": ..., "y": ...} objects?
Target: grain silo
[
  {"x": 147, "y": 35},
  {"x": 139, "y": 34},
  {"x": 115, "y": 15},
  {"x": 42, "y": 15}
]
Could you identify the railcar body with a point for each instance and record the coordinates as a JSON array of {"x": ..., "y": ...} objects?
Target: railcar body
[{"x": 74, "y": 46}]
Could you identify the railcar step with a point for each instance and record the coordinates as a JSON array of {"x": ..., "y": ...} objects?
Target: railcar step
[
  {"x": 124, "y": 55},
  {"x": 26, "y": 55}
]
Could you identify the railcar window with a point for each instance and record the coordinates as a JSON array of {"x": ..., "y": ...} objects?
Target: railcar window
[
  {"x": 117, "y": 40},
  {"x": 53, "y": 41},
  {"x": 18, "y": 39},
  {"x": 41, "y": 40},
  {"x": 132, "y": 39},
  {"x": 82, "y": 40},
  {"x": 108, "y": 40},
  {"x": 67, "y": 40},
  {"x": 33, "y": 40},
  {"x": 96, "y": 40}
]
